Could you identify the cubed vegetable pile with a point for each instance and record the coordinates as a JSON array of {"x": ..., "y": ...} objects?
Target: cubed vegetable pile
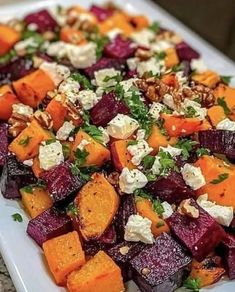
[{"x": 120, "y": 144}]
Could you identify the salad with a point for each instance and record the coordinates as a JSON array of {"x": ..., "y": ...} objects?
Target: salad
[{"x": 119, "y": 143}]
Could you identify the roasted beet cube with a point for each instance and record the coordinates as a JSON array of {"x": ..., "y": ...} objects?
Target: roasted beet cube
[
  {"x": 15, "y": 175},
  {"x": 61, "y": 183},
  {"x": 43, "y": 20},
  {"x": 185, "y": 52},
  {"x": 161, "y": 267},
  {"x": 227, "y": 250},
  {"x": 4, "y": 144},
  {"x": 122, "y": 253},
  {"x": 49, "y": 224},
  {"x": 200, "y": 235},
  {"x": 170, "y": 188},
  {"x": 101, "y": 13},
  {"x": 218, "y": 141},
  {"x": 118, "y": 64},
  {"x": 126, "y": 209},
  {"x": 120, "y": 48},
  {"x": 109, "y": 236},
  {"x": 106, "y": 109}
]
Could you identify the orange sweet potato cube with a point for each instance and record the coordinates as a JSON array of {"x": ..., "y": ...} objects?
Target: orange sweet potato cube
[
  {"x": 8, "y": 37},
  {"x": 64, "y": 254},
  {"x": 208, "y": 78},
  {"x": 99, "y": 274}
]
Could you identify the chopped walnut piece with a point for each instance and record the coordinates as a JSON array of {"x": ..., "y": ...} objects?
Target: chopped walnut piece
[
  {"x": 143, "y": 55},
  {"x": 44, "y": 119},
  {"x": 205, "y": 95},
  {"x": 124, "y": 250},
  {"x": 113, "y": 178},
  {"x": 18, "y": 123},
  {"x": 185, "y": 208},
  {"x": 73, "y": 112}
]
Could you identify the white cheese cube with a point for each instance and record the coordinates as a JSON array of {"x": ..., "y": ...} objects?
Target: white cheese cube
[
  {"x": 131, "y": 180},
  {"x": 193, "y": 176},
  {"x": 139, "y": 151},
  {"x": 22, "y": 109},
  {"x": 173, "y": 151},
  {"x": 168, "y": 211},
  {"x": 102, "y": 74},
  {"x": 143, "y": 37},
  {"x": 88, "y": 98},
  {"x": 70, "y": 88},
  {"x": 50, "y": 155},
  {"x": 155, "y": 109},
  {"x": 64, "y": 131},
  {"x": 105, "y": 135},
  {"x": 152, "y": 65},
  {"x": 226, "y": 124},
  {"x": 198, "y": 65},
  {"x": 56, "y": 72},
  {"x": 82, "y": 144}
]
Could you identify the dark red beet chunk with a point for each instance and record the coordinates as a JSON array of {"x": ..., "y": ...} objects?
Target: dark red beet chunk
[
  {"x": 161, "y": 267},
  {"x": 118, "y": 64},
  {"x": 122, "y": 253},
  {"x": 170, "y": 188},
  {"x": 120, "y": 48},
  {"x": 4, "y": 144},
  {"x": 16, "y": 69},
  {"x": 185, "y": 52},
  {"x": 101, "y": 13},
  {"x": 106, "y": 109},
  {"x": 43, "y": 20},
  {"x": 61, "y": 183},
  {"x": 219, "y": 141},
  {"x": 228, "y": 254},
  {"x": 15, "y": 175},
  {"x": 200, "y": 235},
  {"x": 109, "y": 236},
  {"x": 49, "y": 224},
  {"x": 126, "y": 209}
]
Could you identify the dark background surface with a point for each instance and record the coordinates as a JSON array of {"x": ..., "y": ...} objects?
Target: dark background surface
[{"x": 214, "y": 20}]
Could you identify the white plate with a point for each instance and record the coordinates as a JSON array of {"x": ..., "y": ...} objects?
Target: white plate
[{"x": 22, "y": 256}]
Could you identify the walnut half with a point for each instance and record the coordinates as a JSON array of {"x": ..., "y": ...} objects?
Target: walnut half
[{"x": 185, "y": 208}]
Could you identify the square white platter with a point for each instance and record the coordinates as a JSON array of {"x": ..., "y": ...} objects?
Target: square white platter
[{"x": 22, "y": 256}]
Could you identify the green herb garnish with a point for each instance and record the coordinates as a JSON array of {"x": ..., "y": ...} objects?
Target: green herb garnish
[
  {"x": 28, "y": 189},
  {"x": 160, "y": 56},
  {"x": 25, "y": 141},
  {"x": 132, "y": 142},
  {"x": 17, "y": 217},
  {"x": 155, "y": 26},
  {"x": 166, "y": 161},
  {"x": 192, "y": 284},
  {"x": 226, "y": 79},
  {"x": 50, "y": 141},
  {"x": 139, "y": 193},
  {"x": 72, "y": 209},
  {"x": 80, "y": 157},
  {"x": 190, "y": 112},
  {"x": 160, "y": 224},
  {"x": 221, "y": 101},
  {"x": 186, "y": 146},
  {"x": 94, "y": 132},
  {"x": 66, "y": 150},
  {"x": 157, "y": 207},
  {"x": 81, "y": 79},
  {"x": 202, "y": 151},
  {"x": 117, "y": 78},
  {"x": 148, "y": 161},
  {"x": 177, "y": 68},
  {"x": 160, "y": 123},
  {"x": 8, "y": 57},
  {"x": 220, "y": 178}
]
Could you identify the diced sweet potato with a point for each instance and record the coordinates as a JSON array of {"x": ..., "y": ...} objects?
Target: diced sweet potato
[
  {"x": 49, "y": 224},
  {"x": 170, "y": 79},
  {"x": 61, "y": 183},
  {"x": 216, "y": 114},
  {"x": 222, "y": 192},
  {"x": 145, "y": 209},
  {"x": 32, "y": 88},
  {"x": 208, "y": 272},
  {"x": 208, "y": 78},
  {"x": 161, "y": 267},
  {"x": 99, "y": 274},
  {"x": 58, "y": 113},
  {"x": 8, "y": 37},
  {"x": 36, "y": 167},
  {"x": 139, "y": 21},
  {"x": 199, "y": 235},
  {"x": 15, "y": 175},
  {"x": 97, "y": 203},
  {"x": 64, "y": 254},
  {"x": 157, "y": 139},
  {"x": 26, "y": 144},
  {"x": 98, "y": 154},
  {"x": 120, "y": 155},
  {"x": 72, "y": 35},
  {"x": 170, "y": 188},
  {"x": 171, "y": 58},
  {"x": 228, "y": 254},
  {"x": 7, "y": 99},
  {"x": 122, "y": 253},
  {"x": 35, "y": 202}
]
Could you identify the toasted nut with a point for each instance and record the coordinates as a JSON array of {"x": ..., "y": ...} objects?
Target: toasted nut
[
  {"x": 48, "y": 35},
  {"x": 18, "y": 123},
  {"x": 37, "y": 61},
  {"x": 124, "y": 250},
  {"x": 205, "y": 94},
  {"x": 143, "y": 55},
  {"x": 73, "y": 112},
  {"x": 44, "y": 119},
  {"x": 185, "y": 208},
  {"x": 113, "y": 178}
]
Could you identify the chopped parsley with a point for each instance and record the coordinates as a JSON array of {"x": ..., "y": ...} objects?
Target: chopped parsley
[
  {"x": 100, "y": 44},
  {"x": 202, "y": 151},
  {"x": 221, "y": 101},
  {"x": 186, "y": 146},
  {"x": 190, "y": 112},
  {"x": 192, "y": 284},
  {"x": 155, "y": 26},
  {"x": 139, "y": 193},
  {"x": 157, "y": 207},
  {"x": 80, "y": 157},
  {"x": 226, "y": 79},
  {"x": 25, "y": 141},
  {"x": 66, "y": 150},
  {"x": 7, "y": 57},
  {"x": 117, "y": 78},
  {"x": 94, "y": 132},
  {"x": 132, "y": 142},
  {"x": 148, "y": 161},
  {"x": 50, "y": 141},
  {"x": 28, "y": 189},
  {"x": 166, "y": 161},
  {"x": 160, "y": 224},
  {"x": 72, "y": 209},
  {"x": 160, "y": 56},
  {"x": 160, "y": 124},
  {"x": 17, "y": 217},
  {"x": 119, "y": 91},
  {"x": 81, "y": 79},
  {"x": 221, "y": 177},
  {"x": 37, "y": 41},
  {"x": 177, "y": 68}
]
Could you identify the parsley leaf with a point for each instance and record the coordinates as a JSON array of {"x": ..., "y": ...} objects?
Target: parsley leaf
[
  {"x": 190, "y": 112},
  {"x": 100, "y": 44},
  {"x": 160, "y": 224},
  {"x": 221, "y": 101},
  {"x": 157, "y": 207},
  {"x": 202, "y": 151},
  {"x": 17, "y": 217},
  {"x": 148, "y": 161},
  {"x": 160, "y": 55},
  {"x": 186, "y": 146},
  {"x": 177, "y": 68},
  {"x": 139, "y": 193},
  {"x": 86, "y": 84},
  {"x": 192, "y": 284},
  {"x": 50, "y": 141},
  {"x": 94, "y": 132},
  {"x": 66, "y": 150},
  {"x": 226, "y": 79},
  {"x": 8, "y": 57},
  {"x": 221, "y": 177},
  {"x": 27, "y": 189},
  {"x": 155, "y": 26},
  {"x": 25, "y": 141},
  {"x": 72, "y": 210},
  {"x": 80, "y": 157},
  {"x": 160, "y": 124},
  {"x": 166, "y": 161},
  {"x": 37, "y": 40},
  {"x": 119, "y": 91},
  {"x": 117, "y": 78},
  {"x": 132, "y": 142}
]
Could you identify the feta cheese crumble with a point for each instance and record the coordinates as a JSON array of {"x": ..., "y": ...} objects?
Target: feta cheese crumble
[
  {"x": 139, "y": 151},
  {"x": 155, "y": 109},
  {"x": 22, "y": 109},
  {"x": 131, "y": 180},
  {"x": 222, "y": 214},
  {"x": 156, "y": 167},
  {"x": 160, "y": 46},
  {"x": 111, "y": 34},
  {"x": 70, "y": 88},
  {"x": 173, "y": 151},
  {"x": 226, "y": 124},
  {"x": 132, "y": 63},
  {"x": 64, "y": 131},
  {"x": 105, "y": 135},
  {"x": 82, "y": 144},
  {"x": 168, "y": 211},
  {"x": 198, "y": 65},
  {"x": 102, "y": 74},
  {"x": 88, "y": 98},
  {"x": 200, "y": 112},
  {"x": 143, "y": 37},
  {"x": 56, "y": 72},
  {"x": 137, "y": 229},
  {"x": 169, "y": 101},
  {"x": 122, "y": 126},
  {"x": 193, "y": 176},
  {"x": 50, "y": 155},
  {"x": 28, "y": 162},
  {"x": 24, "y": 44},
  {"x": 140, "y": 135},
  {"x": 152, "y": 65}
]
